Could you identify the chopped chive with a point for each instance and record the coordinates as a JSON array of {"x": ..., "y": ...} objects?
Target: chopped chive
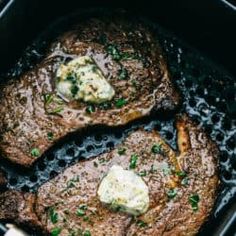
[
  {"x": 194, "y": 200},
  {"x": 55, "y": 231},
  {"x": 121, "y": 150},
  {"x": 53, "y": 216},
  {"x": 171, "y": 193},
  {"x": 35, "y": 152},
  {"x": 133, "y": 161},
  {"x": 120, "y": 102},
  {"x": 156, "y": 148}
]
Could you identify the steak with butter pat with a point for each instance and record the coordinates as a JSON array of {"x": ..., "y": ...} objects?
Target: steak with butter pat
[
  {"x": 176, "y": 189},
  {"x": 107, "y": 71}
]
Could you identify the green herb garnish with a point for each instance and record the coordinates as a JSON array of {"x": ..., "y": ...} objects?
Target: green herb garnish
[
  {"x": 50, "y": 136},
  {"x": 86, "y": 233},
  {"x": 156, "y": 148},
  {"x": 47, "y": 98},
  {"x": 53, "y": 216},
  {"x": 120, "y": 102},
  {"x": 123, "y": 73},
  {"x": 181, "y": 173},
  {"x": 171, "y": 193},
  {"x": 193, "y": 200},
  {"x": 56, "y": 231},
  {"x": 57, "y": 110},
  {"x": 85, "y": 218},
  {"x": 133, "y": 161},
  {"x": 105, "y": 105},
  {"x": 141, "y": 223},
  {"x": 143, "y": 173},
  {"x": 35, "y": 152},
  {"x": 185, "y": 181},
  {"x": 121, "y": 150},
  {"x": 74, "y": 90},
  {"x": 90, "y": 109},
  {"x": 166, "y": 170},
  {"x": 80, "y": 212},
  {"x": 114, "y": 52}
]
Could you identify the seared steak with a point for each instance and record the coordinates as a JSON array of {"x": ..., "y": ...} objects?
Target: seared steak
[
  {"x": 182, "y": 189},
  {"x": 2, "y": 179},
  {"x": 125, "y": 52}
]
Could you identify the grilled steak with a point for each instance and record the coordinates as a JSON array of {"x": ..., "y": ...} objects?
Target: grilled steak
[
  {"x": 2, "y": 179},
  {"x": 182, "y": 189},
  {"x": 34, "y": 115}
]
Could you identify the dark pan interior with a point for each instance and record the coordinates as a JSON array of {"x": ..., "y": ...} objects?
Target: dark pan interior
[{"x": 208, "y": 97}]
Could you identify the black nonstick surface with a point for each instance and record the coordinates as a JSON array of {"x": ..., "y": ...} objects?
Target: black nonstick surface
[{"x": 208, "y": 93}]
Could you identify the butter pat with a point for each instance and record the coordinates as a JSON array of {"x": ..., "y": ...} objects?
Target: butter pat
[
  {"x": 124, "y": 190},
  {"x": 81, "y": 79}
]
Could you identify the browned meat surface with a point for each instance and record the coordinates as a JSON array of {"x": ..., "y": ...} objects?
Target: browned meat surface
[
  {"x": 182, "y": 189},
  {"x": 3, "y": 180},
  {"x": 33, "y": 116}
]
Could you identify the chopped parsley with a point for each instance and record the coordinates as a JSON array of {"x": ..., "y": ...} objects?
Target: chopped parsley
[
  {"x": 193, "y": 200},
  {"x": 143, "y": 173},
  {"x": 50, "y": 136},
  {"x": 141, "y": 224},
  {"x": 35, "y": 152},
  {"x": 114, "y": 52},
  {"x": 185, "y": 181},
  {"x": 156, "y": 148},
  {"x": 81, "y": 211},
  {"x": 105, "y": 105},
  {"x": 120, "y": 102},
  {"x": 56, "y": 231},
  {"x": 71, "y": 78},
  {"x": 90, "y": 109},
  {"x": 166, "y": 170},
  {"x": 57, "y": 110},
  {"x": 85, "y": 218},
  {"x": 121, "y": 150},
  {"x": 181, "y": 173},
  {"x": 123, "y": 73},
  {"x": 133, "y": 161},
  {"x": 47, "y": 98},
  {"x": 171, "y": 193},
  {"x": 86, "y": 233},
  {"x": 53, "y": 215},
  {"x": 74, "y": 90}
]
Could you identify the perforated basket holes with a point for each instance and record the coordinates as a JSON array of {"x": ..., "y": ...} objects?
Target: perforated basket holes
[{"x": 208, "y": 97}]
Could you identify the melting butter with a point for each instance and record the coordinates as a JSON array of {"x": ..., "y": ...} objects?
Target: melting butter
[
  {"x": 81, "y": 79},
  {"x": 124, "y": 190}
]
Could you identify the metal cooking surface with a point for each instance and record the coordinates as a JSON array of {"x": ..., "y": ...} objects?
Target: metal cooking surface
[{"x": 208, "y": 97}]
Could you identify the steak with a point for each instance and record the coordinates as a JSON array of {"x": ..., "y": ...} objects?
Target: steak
[
  {"x": 3, "y": 180},
  {"x": 33, "y": 117},
  {"x": 182, "y": 189}
]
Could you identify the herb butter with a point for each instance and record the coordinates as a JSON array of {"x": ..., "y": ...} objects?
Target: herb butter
[
  {"x": 81, "y": 79},
  {"x": 124, "y": 190}
]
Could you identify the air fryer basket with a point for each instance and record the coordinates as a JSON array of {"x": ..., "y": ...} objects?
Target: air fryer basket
[{"x": 208, "y": 93}]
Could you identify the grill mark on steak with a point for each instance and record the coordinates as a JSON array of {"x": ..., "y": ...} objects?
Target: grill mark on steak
[
  {"x": 25, "y": 119},
  {"x": 197, "y": 156}
]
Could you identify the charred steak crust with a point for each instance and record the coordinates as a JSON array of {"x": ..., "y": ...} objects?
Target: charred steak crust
[
  {"x": 182, "y": 188},
  {"x": 33, "y": 116},
  {"x": 3, "y": 180}
]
